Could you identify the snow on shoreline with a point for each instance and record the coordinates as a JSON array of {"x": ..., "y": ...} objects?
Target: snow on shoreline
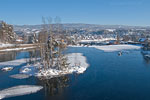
[
  {"x": 19, "y": 91},
  {"x": 112, "y": 48},
  {"x": 16, "y": 49},
  {"x": 75, "y": 46},
  {"x": 98, "y": 40},
  {"x": 6, "y": 45}
]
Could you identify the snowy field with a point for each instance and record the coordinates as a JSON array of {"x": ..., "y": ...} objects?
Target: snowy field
[{"x": 19, "y": 91}]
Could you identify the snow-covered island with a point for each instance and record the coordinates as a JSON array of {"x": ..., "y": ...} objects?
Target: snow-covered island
[{"x": 77, "y": 63}]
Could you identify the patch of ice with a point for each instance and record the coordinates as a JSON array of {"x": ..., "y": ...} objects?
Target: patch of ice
[
  {"x": 148, "y": 56},
  {"x": 26, "y": 70},
  {"x": 112, "y": 48},
  {"x": 19, "y": 91},
  {"x": 20, "y": 76},
  {"x": 13, "y": 62},
  {"x": 29, "y": 69},
  {"x": 7, "y": 69},
  {"x": 77, "y": 62}
]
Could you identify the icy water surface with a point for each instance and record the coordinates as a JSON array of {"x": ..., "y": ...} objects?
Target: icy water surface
[{"x": 108, "y": 77}]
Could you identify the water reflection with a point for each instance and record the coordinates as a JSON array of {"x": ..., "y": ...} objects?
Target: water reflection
[
  {"x": 12, "y": 55},
  {"x": 54, "y": 86},
  {"x": 33, "y": 56},
  {"x": 8, "y": 56}
]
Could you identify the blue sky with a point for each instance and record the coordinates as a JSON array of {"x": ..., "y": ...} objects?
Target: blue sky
[{"x": 104, "y": 12}]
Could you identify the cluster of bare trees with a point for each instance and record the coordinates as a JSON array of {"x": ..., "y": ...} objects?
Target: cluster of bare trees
[
  {"x": 7, "y": 34},
  {"x": 52, "y": 41},
  {"x": 52, "y": 44}
]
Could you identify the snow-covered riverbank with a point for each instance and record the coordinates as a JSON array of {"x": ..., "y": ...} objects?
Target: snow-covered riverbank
[
  {"x": 112, "y": 48},
  {"x": 16, "y": 49},
  {"x": 98, "y": 40},
  {"x": 2, "y": 45}
]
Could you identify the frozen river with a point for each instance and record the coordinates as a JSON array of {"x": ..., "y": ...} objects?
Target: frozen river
[{"x": 108, "y": 77}]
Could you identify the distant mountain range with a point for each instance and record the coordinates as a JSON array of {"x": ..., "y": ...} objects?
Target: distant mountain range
[{"x": 82, "y": 26}]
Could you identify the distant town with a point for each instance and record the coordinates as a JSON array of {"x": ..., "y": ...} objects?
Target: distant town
[{"x": 78, "y": 34}]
